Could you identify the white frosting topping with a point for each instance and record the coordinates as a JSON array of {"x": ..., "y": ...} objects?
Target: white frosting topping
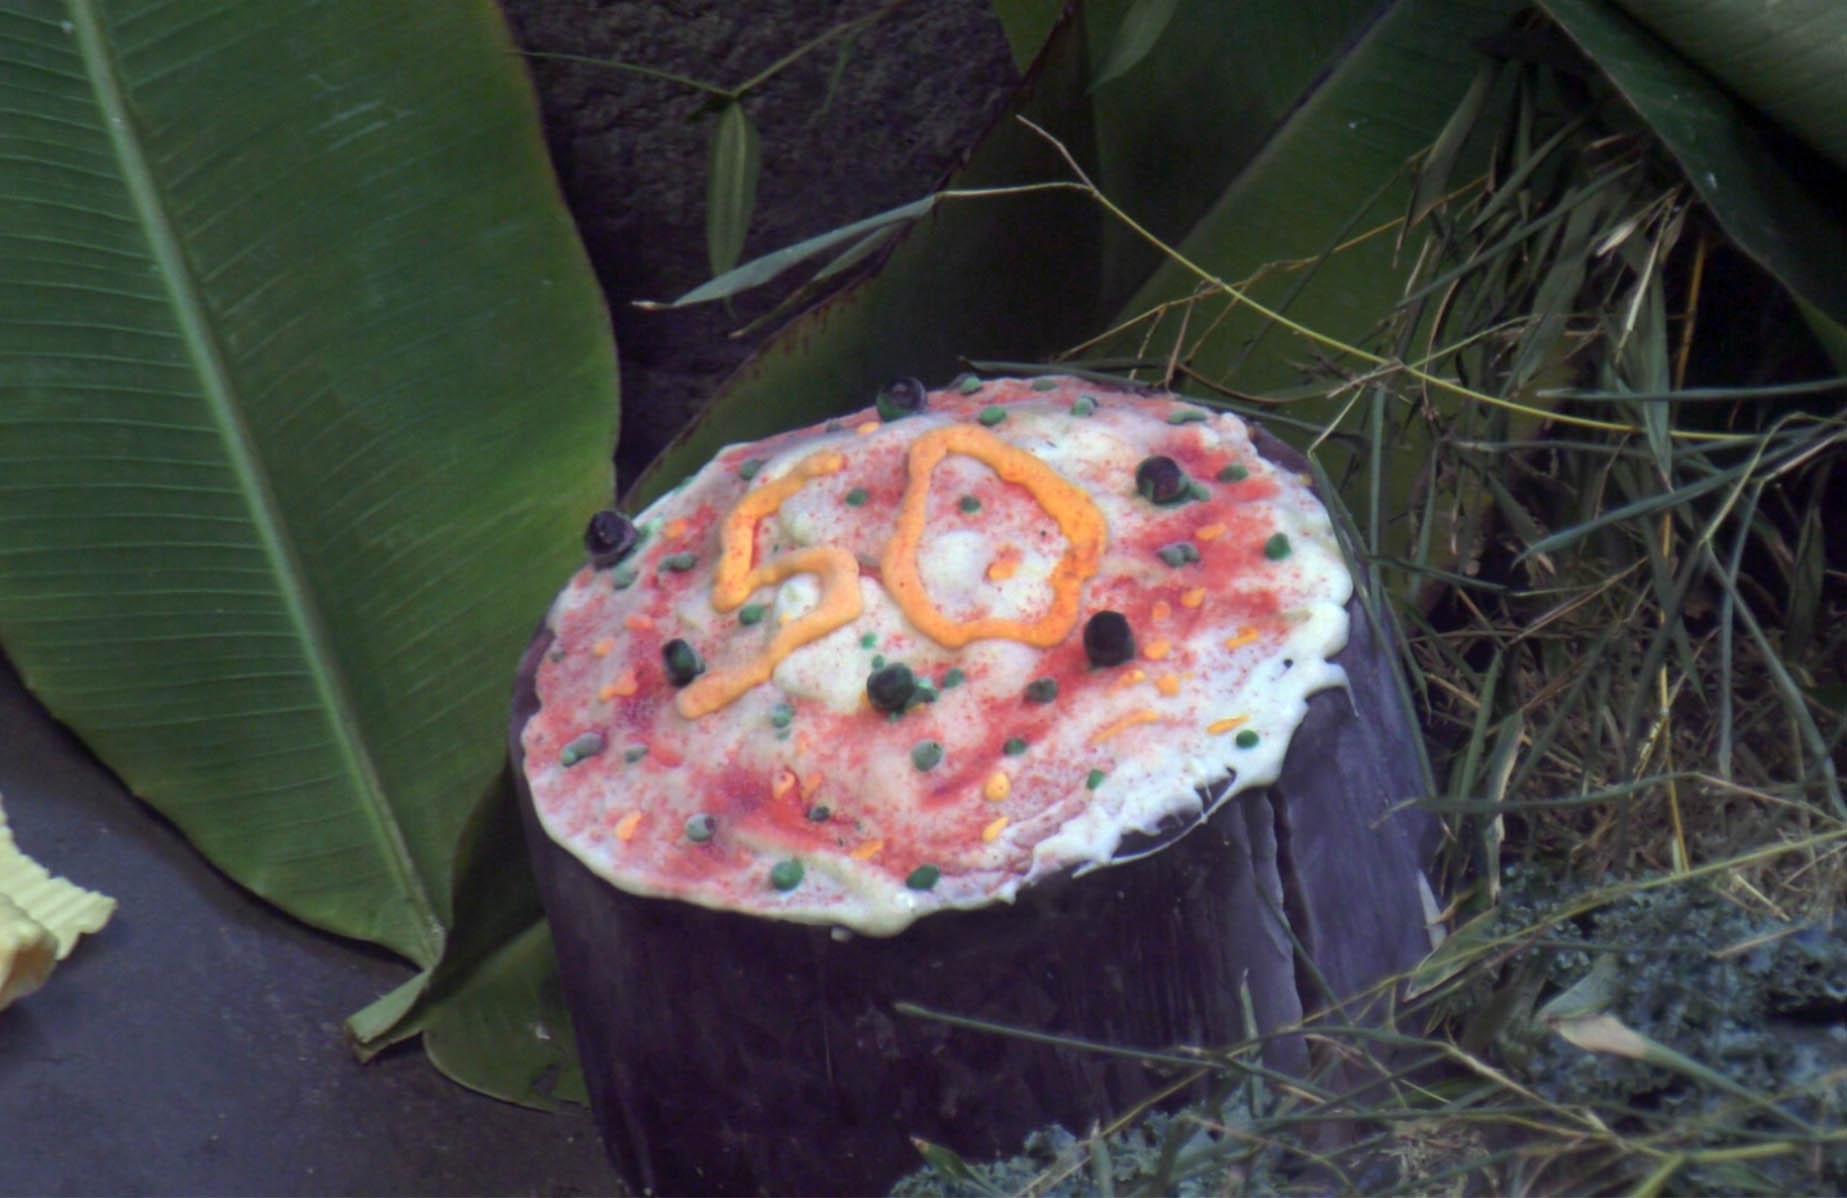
[{"x": 1230, "y": 647}]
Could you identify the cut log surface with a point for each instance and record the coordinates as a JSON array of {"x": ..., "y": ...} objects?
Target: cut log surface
[{"x": 731, "y": 1054}]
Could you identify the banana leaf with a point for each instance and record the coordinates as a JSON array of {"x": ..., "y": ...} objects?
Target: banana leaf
[
  {"x": 305, "y": 392},
  {"x": 1787, "y": 60},
  {"x": 1779, "y": 189}
]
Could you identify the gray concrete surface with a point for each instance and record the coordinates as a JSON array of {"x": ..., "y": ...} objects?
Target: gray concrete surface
[{"x": 194, "y": 1046}]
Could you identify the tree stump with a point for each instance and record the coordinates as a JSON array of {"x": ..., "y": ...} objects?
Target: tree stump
[{"x": 731, "y": 1054}]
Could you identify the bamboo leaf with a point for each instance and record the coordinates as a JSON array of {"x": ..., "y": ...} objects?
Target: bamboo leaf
[
  {"x": 1440, "y": 163},
  {"x": 283, "y": 284},
  {"x": 731, "y": 186},
  {"x": 1142, "y": 26},
  {"x": 759, "y": 271}
]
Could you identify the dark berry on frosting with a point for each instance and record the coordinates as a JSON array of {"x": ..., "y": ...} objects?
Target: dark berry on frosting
[
  {"x": 1160, "y": 479},
  {"x": 901, "y": 398},
  {"x": 609, "y": 537},
  {"x": 1108, "y": 640},
  {"x": 682, "y": 661},
  {"x": 892, "y": 687}
]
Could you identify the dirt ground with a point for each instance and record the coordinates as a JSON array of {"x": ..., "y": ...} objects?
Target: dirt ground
[{"x": 917, "y": 88}]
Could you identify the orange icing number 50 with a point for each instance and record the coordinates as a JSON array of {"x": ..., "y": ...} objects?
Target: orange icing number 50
[{"x": 735, "y": 580}]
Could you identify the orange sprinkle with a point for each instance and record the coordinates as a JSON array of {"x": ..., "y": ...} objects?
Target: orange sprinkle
[
  {"x": 1209, "y": 532},
  {"x": 622, "y": 687},
  {"x": 625, "y": 830},
  {"x": 1220, "y": 727},
  {"x": 1005, "y": 564},
  {"x": 997, "y": 787},
  {"x": 868, "y": 851},
  {"x": 803, "y": 743},
  {"x": 1133, "y": 678},
  {"x": 1146, "y": 715},
  {"x": 667, "y": 755},
  {"x": 1243, "y": 638},
  {"x": 783, "y": 783},
  {"x": 675, "y": 530},
  {"x": 992, "y": 832},
  {"x": 1158, "y": 650},
  {"x": 639, "y": 623},
  {"x": 1194, "y": 597},
  {"x": 866, "y": 429},
  {"x": 1162, "y": 609},
  {"x": 812, "y": 782},
  {"x": 1168, "y": 684},
  {"x": 604, "y": 647}
]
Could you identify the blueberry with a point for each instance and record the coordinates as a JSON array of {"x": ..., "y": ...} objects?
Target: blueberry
[
  {"x": 1107, "y": 639},
  {"x": 683, "y": 662},
  {"x": 901, "y": 398},
  {"x": 1160, "y": 480},
  {"x": 609, "y": 538},
  {"x": 892, "y": 687}
]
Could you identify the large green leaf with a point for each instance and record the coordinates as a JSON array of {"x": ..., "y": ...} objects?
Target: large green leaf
[
  {"x": 1782, "y": 201},
  {"x": 1255, "y": 131},
  {"x": 1787, "y": 59},
  {"x": 305, "y": 392}
]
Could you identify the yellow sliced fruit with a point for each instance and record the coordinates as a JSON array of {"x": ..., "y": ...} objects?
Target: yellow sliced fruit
[{"x": 41, "y": 918}]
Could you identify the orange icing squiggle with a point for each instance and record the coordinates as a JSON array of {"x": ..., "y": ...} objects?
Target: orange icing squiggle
[
  {"x": 1078, "y": 518},
  {"x": 736, "y": 579}
]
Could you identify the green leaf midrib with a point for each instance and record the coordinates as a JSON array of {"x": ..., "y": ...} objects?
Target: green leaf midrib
[{"x": 220, "y": 393}]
